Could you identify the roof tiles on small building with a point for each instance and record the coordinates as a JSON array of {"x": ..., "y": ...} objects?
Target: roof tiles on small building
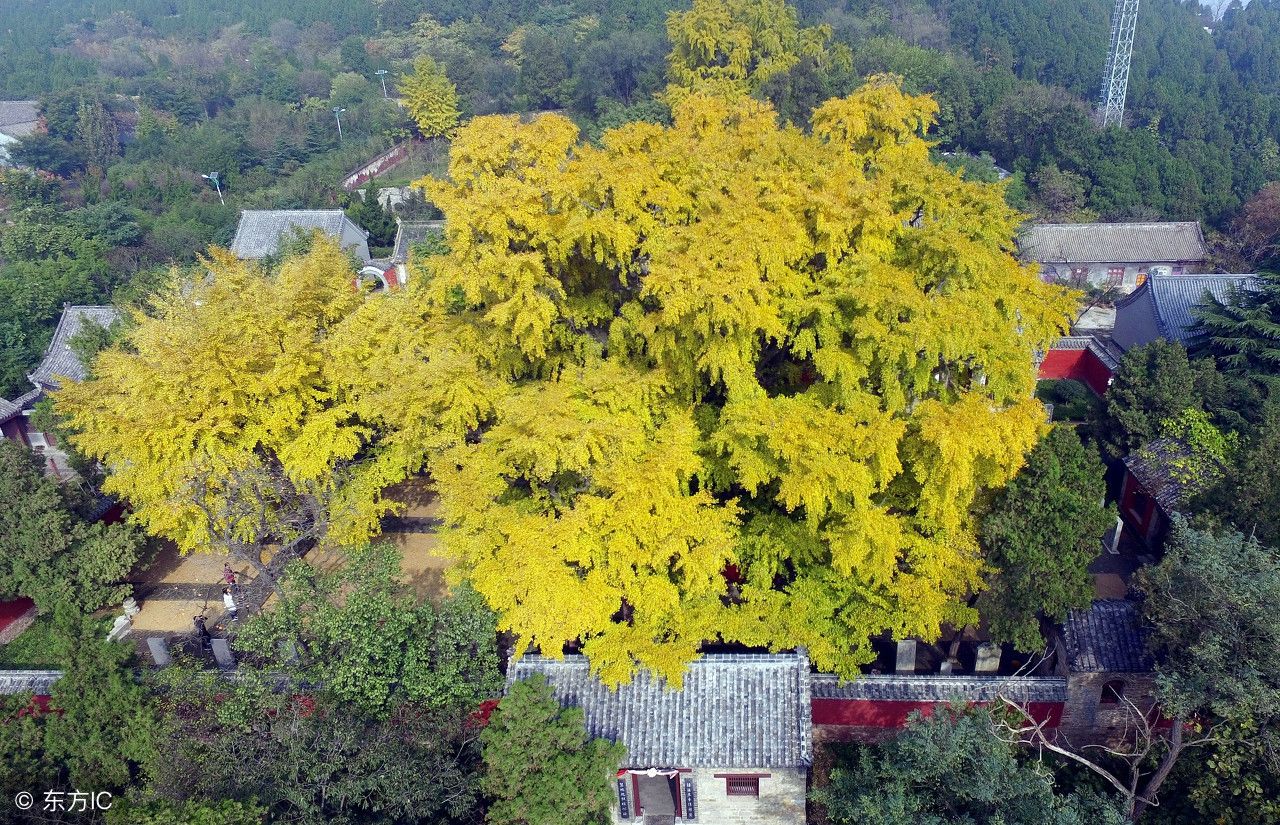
[
  {"x": 19, "y": 118},
  {"x": 1156, "y": 468},
  {"x": 733, "y": 711},
  {"x": 260, "y": 230},
  {"x": 409, "y": 233},
  {"x": 59, "y": 359},
  {"x": 965, "y": 688},
  {"x": 1106, "y": 638},
  {"x": 1119, "y": 243},
  {"x": 39, "y": 682}
]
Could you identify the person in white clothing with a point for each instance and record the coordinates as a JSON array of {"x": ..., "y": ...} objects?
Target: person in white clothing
[{"x": 229, "y": 602}]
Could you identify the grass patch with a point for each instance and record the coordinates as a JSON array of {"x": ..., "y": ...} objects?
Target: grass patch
[{"x": 35, "y": 649}]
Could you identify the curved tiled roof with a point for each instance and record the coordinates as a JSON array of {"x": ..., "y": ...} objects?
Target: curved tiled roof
[
  {"x": 733, "y": 711},
  {"x": 1136, "y": 243},
  {"x": 259, "y": 231},
  {"x": 59, "y": 360},
  {"x": 1106, "y": 638},
  {"x": 1175, "y": 295}
]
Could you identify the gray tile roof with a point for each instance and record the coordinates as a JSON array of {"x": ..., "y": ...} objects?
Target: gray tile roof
[
  {"x": 1103, "y": 347},
  {"x": 39, "y": 682},
  {"x": 1154, "y": 468},
  {"x": 1174, "y": 296},
  {"x": 1113, "y": 243},
  {"x": 941, "y": 688},
  {"x": 733, "y": 711},
  {"x": 1106, "y": 638},
  {"x": 9, "y": 409},
  {"x": 259, "y": 232},
  {"x": 409, "y": 233},
  {"x": 58, "y": 358},
  {"x": 19, "y": 118}
]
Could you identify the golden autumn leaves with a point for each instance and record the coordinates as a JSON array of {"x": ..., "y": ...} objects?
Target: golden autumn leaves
[{"x": 720, "y": 343}]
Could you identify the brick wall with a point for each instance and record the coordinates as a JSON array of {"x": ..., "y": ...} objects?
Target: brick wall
[{"x": 1087, "y": 719}]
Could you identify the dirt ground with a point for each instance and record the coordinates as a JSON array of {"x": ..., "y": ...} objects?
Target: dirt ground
[{"x": 174, "y": 588}]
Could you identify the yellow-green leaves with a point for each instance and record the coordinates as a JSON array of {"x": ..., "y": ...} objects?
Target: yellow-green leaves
[
  {"x": 431, "y": 98},
  {"x": 727, "y": 343},
  {"x": 228, "y": 407},
  {"x": 733, "y": 47}
]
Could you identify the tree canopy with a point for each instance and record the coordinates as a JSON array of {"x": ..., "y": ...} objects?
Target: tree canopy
[
  {"x": 949, "y": 769},
  {"x": 366, "y": 639},
  {"x": 224, "y": 419},
  {"x": 735, "y": 47},
  {"x": 540, "y": 764},
  {"x": 1209, "y": 603},
  {"x": 430, "y": 97},
  {"x": 1040, "y": 536},
  {"x": 52, "y": 553},
  {"x": 664, "y": 377}
]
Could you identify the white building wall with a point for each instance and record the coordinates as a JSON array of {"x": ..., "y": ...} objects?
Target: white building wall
[
  {"x": 355, "y": 240},
  {"x": 781, "y": 800},
  {"x": 1100, "y": 275}
]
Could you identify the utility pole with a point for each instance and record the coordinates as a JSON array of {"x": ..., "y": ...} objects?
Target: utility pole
[
  {"x": 337, "y": 115},
  {"x": 213, "y": 176},
  {"x": 1115, "y": 78},
  {"x": 382, "y": 75}
]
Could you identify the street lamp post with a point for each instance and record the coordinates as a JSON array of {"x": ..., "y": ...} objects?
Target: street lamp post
[
  {"x": 382, "y": 75},
  {"x": 213, "y": 176},
  {"x": 337, "y": 115}
]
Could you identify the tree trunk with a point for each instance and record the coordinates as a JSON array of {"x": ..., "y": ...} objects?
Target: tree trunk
[{"x": 1143, "y": 800}]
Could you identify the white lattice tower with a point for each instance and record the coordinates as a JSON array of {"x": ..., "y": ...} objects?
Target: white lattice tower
[{"x": 1115, "y": 79}]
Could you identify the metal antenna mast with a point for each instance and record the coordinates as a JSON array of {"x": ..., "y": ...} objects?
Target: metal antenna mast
[{"x": 1115, "y": 80}]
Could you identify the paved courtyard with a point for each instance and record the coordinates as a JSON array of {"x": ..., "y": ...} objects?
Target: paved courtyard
[{"x": 174, "y": 587}]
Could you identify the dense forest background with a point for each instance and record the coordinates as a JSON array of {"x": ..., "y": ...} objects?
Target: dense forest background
[{"x": 142, "y": 98}]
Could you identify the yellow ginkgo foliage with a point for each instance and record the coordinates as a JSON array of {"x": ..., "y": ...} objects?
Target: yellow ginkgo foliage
[
  {"x": 224, "y": 418},
  {"x": 734, "y": 47},
  {"x": 723, "y": 379},
  {"x": 430, "y": 97}
]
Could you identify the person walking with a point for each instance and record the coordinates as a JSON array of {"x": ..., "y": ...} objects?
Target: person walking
[
  {"x": 228, "y": 575},
  {"x": 229, "y": 602},
  {"x": 202, "y": 633}
]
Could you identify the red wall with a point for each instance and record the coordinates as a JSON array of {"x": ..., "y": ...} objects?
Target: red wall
[
  {"x": 875, "y": 713},
  {"x": 1078, "y": 364}
]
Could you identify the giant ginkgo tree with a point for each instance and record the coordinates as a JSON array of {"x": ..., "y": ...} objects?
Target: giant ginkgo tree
[
  {"x": 224, "y": 420},
  {"x": 719, "y": 380}
]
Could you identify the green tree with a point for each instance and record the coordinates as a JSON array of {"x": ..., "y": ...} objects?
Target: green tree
[
  {"x": 367, "y": 640},
  {"x": 1209, "y": 603},
  {"x": 949, "y": 769},
  {"x": 539, "y": 764},
  {"x": 310, "y": 759},
  {"x": 103, "y": 726},
  {"x": 1247, "y": 496},
  {"x": 226, "y": 812},
  {"x": 51, "y": 553},
  {"x": 430, "y": 97},
  {"x": 1242, "y": 334},
  {"x": 96, "y": 135},
  {"x": 1040, "y": 535},
  {"x": 1154, "y": 383}
]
